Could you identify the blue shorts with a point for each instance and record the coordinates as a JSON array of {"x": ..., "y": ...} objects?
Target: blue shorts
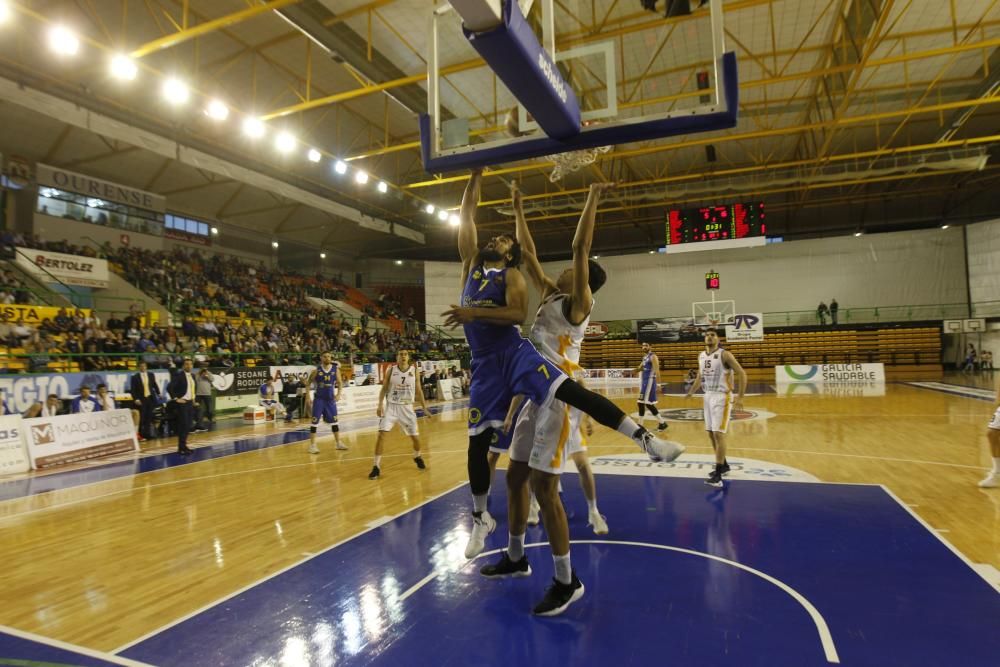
[
  {"x": 498, "y": 377},
  {"x": 647, "y": 391},
  {"x": 325, "y": 410}
]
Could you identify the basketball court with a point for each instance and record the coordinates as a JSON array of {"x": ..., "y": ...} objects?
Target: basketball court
[{"x": 835, "y": 508}]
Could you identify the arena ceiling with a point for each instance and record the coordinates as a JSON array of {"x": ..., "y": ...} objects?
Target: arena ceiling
[{"x": 855, "y": 115}]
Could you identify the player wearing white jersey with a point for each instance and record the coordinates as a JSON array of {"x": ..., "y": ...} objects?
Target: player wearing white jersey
[
  {"x": 536, "y": 454},
  {"x": 992, "y": 481},
  {"x": 716, "y": 369},
  {"x": 400, "y": 386}
]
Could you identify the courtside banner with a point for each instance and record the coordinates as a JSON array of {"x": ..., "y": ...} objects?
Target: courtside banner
[
  {"x": 70, "y": 269},
  {"x": 822, "y": 373},
  {"x": 450, "y": 389},
  {"x": 13, "y": 455},
  {"x": 65, "y": 439}
]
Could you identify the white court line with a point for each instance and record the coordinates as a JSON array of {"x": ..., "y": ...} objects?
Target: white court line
[
  {"x": 91, "y": 653},
  {"x": 182, "y": 481},
  {"x": 297, "y": 563},
  {"x": 935, "y": 533},
  {"x": 825, "y": 638}
]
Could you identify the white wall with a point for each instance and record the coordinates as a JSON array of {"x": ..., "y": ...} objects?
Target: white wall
[
  {"x": 903, "y": 268},
  {"x": 51, "y": 228},
  {"x": 983, "y": 241}
]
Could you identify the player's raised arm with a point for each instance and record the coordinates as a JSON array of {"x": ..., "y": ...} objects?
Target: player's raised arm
[
  {"x": 580, "y": 299},
  {"x": 468, "y": 240},
  {"x": 528, "y": 254}
]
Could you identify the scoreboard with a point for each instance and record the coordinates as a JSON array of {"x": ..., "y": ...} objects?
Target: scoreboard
[{"x": 715, "y": 223}]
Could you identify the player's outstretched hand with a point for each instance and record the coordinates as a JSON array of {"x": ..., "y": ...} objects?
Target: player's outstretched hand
[
  {"x": 456, "y": 315},
  {"x": 515, "y": 194}
]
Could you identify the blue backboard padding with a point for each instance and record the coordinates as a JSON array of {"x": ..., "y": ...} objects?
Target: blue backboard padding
[
  {"x": 599, "y": 136},
  {"x": 513, "y": 53}
]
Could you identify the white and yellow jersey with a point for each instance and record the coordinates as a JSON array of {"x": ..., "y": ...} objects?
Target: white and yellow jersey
[
  {"x": 555, "y": 337},
  {"x": 715, "y": 375},
  {"x": 402, "y": 385}
]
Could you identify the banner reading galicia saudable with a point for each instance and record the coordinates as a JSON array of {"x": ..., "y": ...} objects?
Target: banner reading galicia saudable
[
  {"x": 820, "y": 373},
  {"x": 65, "y": 439},
  {"x": 13, "y": 456}
]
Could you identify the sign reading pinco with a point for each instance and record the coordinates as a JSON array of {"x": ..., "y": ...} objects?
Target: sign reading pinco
[
  {"x": 53, "y": 267},
  {"x": 595, "y": 331}
]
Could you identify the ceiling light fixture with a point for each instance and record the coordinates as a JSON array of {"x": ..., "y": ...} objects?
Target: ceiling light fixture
[
  {"x": 429, "y": 208},
  {"x": 217, "y": 110},
  {"x": 274, "y": 244},
  {"x": 383, "y": 187},
  {"x": 340, "y": 167},
  {"x": 322, "y": 255},
  {"x": 254, "y": 128},
  {"x": 123, "y": 67},
  {"x": 314, "y": 155},
  {"x": 176, "y": 91},
  {"x": 63, "y": 41},
  {"x": 360, "y": 177},
  {"x": 442, "y": 215},
  {"x": 453, "y": 220}
]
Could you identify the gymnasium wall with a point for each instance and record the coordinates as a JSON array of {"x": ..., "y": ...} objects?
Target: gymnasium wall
[
  {"x": 902, "y": 268},
  {"x": 983, "y": 243}
]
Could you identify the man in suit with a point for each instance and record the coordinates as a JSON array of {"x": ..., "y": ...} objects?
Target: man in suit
[
  {"x": 182, "y": 392},
  {"x": 145, "y": 392}
]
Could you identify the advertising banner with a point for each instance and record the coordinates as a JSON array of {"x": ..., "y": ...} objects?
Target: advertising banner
[
  {"x": 667, "y": 330},
  {"x": 13, "y": 456},
  {"x": 51, "y": 267},
  {"x": 748, "y": 326},
  {"x": 23, "y": 391},
  {"x": 65, "y": 439},
  {"x": 35, "y": 314},
  {"x": 99, "y": 189},
  {"x": 450, "y": 389},
  {"x": 822, "y": 373}
]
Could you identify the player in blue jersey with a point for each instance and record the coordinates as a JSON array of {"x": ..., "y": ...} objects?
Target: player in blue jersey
[
  {"x": 494, "y": 301},
  {"x": 649, "y": 385},
  {"x": 326, "y": 376}
]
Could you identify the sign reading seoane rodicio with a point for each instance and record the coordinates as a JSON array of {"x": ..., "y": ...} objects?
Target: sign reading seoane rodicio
[{"x": 98, "y": 189}]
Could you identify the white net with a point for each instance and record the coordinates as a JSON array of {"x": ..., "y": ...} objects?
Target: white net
[{"x": 567, "y": 163}]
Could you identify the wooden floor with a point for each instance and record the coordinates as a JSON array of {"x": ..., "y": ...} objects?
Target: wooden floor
[{"x": 104, "y": 564}]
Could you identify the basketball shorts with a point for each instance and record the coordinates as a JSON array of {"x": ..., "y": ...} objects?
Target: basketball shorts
[
  {"x": 718, "y": 407},
  {"x": 546, "y": 437},
  {"x": 498, "y": 377},
  {"x": 647, "y": 391},
  {"x": 399, "y": 413},
  {"x": 500, "y": 441},
  {"x": 995, "y": 421},
  {"x": 324, "y": 409}
]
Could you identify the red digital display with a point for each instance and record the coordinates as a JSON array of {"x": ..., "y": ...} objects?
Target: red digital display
[{"x": 715, "y": 223}]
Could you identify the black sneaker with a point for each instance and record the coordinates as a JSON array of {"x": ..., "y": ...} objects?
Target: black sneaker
[
  {"x": 663, "y": 426},
  {"x": 725, "y": 467},
  {"x": 420, "y": 462},
  {"x": 505, "y": 567},
  {"x": 715, "y": 479},
  {"x": 558, "y": 596},
  {"x": 374, "y": 473}
]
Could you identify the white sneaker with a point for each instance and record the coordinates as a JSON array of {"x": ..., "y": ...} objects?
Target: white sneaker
[
  {"x": 599, "y": 523},
  {"x": 533, "y": 511},
  {"x": 992, "y": 481},
  {"x": 481, "y": 528},
  {"x": 659, "y": 450},
  {"x": 341, "y": 447},
  {"x": 313, "y": 449}
]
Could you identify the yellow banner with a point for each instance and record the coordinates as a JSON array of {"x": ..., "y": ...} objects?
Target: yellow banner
[{"x": 35, "y": 314}]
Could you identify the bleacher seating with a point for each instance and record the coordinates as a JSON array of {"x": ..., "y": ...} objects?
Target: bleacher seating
[{"x": 906, "y": 345}]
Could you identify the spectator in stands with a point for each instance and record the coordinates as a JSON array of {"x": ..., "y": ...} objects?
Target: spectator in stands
[
  {"x": 203, "y": 397},
  {"x": 22, "y": 332},
  {"x": 115, "y": 324},
  {"x": 84, "y": 402},
  {"x": 145, "y": 396},
  {"x": 834, "y": 308},
  {"x": 106, "y": 400},
  {"x": 52, "y": 407},
  {"x": 821, "y": 312},
  {"x": 62, "y": 321}
]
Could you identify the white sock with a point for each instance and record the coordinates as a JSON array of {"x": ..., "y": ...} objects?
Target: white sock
[
  {"x": 628, "y": 427},
  {"x": 479, "y": 502},
  {"x": 560, "y": 485},
  {"x": 564, "y": 571},
  {"x": 515, "y": 546},
  {"x": 592, "y": 506},
  {"x": 996, "y": 464},
  {"x": 416, "y": 454},
  {"x": 378, "y": 460}
]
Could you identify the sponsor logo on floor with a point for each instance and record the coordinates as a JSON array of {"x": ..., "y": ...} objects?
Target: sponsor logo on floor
[
  {"x": 697, "y": 415},
  {"x": 697, "y": 465}
]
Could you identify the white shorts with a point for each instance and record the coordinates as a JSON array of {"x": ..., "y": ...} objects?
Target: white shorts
[
  {"x": 717, "y": 408},
  {"x": 546, "y": 438},
  {"x": 273, "y": 405},
  {"x": 399, "y": 413},
  {"x": 995, "y": 421}
]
